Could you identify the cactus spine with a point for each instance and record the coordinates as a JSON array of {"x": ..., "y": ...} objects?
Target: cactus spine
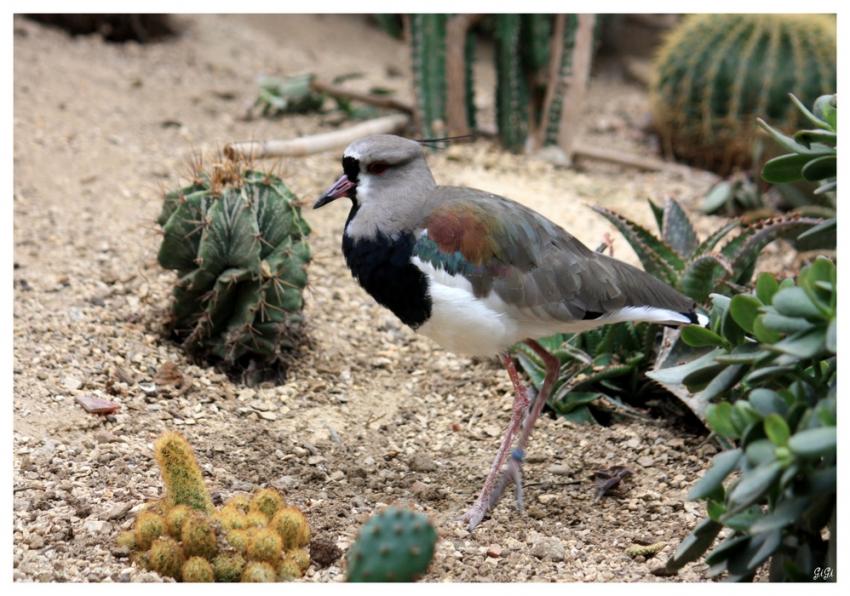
[
  {"x": 250, "y": 538},
  {"x": 393, "y": 546},
  {"x": 238, "y": 242},
  {"x": 717, "y": 72}
]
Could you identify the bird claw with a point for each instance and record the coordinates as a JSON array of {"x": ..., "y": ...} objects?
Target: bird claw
[{"x": 485, "y": 503}]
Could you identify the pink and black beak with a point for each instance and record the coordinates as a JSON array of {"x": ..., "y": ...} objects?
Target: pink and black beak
[
  {"x": 341, "y": 188},
  {"x": 346, "y": 186}
]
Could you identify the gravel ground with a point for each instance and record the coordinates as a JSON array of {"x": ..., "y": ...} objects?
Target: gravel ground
[{"x": 372, "y": 414}]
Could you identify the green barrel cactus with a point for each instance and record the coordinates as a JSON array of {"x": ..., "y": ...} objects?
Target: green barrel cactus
[
  {"x": 717, "y": 72},
  {"x": 395, "y": 545},
  {"x": 238, "y": 242}
]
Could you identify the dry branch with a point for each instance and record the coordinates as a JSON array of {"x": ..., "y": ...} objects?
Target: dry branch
[
  {"x": 379, "y": 101},
  {"x": 577, "y": 84},
  {"x": 316, "y": 143}
]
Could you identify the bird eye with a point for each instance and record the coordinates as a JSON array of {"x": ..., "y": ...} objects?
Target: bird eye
[{"x": 378, "y": 167}]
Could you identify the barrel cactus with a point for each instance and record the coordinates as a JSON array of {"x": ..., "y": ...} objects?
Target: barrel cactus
[
  {"x": 395, "y": 545},
  {"x": 717, "y": 72},
  {"x": 238, "y": 242}
]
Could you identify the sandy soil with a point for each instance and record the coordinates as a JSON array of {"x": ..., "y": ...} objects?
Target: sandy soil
[{"x": 372, "y": 414}]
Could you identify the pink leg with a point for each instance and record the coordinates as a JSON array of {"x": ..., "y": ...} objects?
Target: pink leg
[
  {"x": 489, "y": 497},
  {"x": 482, "y": 504}
]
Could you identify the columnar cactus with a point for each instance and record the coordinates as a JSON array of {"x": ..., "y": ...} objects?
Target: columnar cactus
[
  {"x": 238, "y": 242},
  {"x": 428, "y": 45},
  {"x": 184, "y": 483},
  {"x": 717, "y": 72},
  {"x": 395, "y": 545},
  {"x": 511, "y": 83},
  {"x": 250, "y": 538}
]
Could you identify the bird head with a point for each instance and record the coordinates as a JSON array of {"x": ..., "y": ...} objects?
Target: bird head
[{"x": 380, "y": 168}]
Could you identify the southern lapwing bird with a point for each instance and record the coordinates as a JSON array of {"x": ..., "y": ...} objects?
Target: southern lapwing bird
[{"x": 478, "y": 273}]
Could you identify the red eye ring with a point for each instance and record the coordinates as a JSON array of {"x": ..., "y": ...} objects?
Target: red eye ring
[{"x": 377, "y": 168}]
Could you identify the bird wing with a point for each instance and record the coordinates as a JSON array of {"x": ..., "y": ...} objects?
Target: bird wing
[{"x": 532, "y": 264}]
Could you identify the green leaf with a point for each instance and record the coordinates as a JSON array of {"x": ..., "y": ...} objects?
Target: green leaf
[
  {"x": 763, "y": 334},
  {"x": 820, "y": 123},
  {"x": 808, "y": 137},
  {"x": 677, "y": 230},
  {"x": 786, "y": 513},
  {"x": 782, "y": 324},
  {"x": 743, "y": 416},
  {"x": 658, "y": 214},
  {"x": 814, "y": 442},
  {"x": 744, "y": 309},
  {"x": 767, "y": 402},
  {"x": 807, "y": 344},
  {"x": 820, "y": 168},
  {"x": 700, "y": 337},
  {"x": 760, "y": 452},
  {"x": 754, "y": 484},
  {"x": 721, "y": 466},
  {"x": 575, "y": 399},
  {"x": 776, "y": 429},
  {"x": 826, "y": 110},
  {"x": 794, "y": 302},
  {"x": 766, "y": 287},
  {"x": 761, "y": 546},
  {"x": 656, "y": 256},
  {"x": 722, "y": 382},
  {"x": 695, "y": 544},
  {"x": 675, "y": 375},
  {"x": 784, "y": 140},
  {"x": 703, "y": 275},
  {"x": 785, "y": 168},
  {"x": 832, "y": 336},
  {"x": 718, "y": 196},
  {"x": 719, "y": 419}
]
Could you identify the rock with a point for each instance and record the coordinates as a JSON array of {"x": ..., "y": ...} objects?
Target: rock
[
  {"x": 118, "y": 511},
  {"x": 559, "y": 469},
  {"x": 422, "y": 463},
  {"x": 148, "y": 388},
  {"x": 97, "y": 526},
  {"x": 72, "y": 383},
  {"x": 546, "y": 499},
  {"x": 267, "y": 415},
  {"x": 323, "y": 552},
  {"x": 645, "y": 461},
  {"x": 494, "y": 550},
  {"x": 547, "y": 548},
  {"x": 337, "y": 475},
  {"x": 35, "y": 542}
]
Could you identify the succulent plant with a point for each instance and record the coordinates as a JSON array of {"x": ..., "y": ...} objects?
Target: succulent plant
[
  {"x": 250, "y": 538},
  {"x": 768, "y": 372},
  {"x": 197, "y": 570},
  {"x": 428, "y": 47},
  {"x": 813, "y": 157},
  {"x": 395, "y": 545},
  {"x": 522, "y": 56},
  {"x": 239, "y": 245},
  {"x": 717, "y": 72},
  {"x": 695, "y": 267},
  {"x": 289, "y": 95},
  {"x": 184, "y": 483}
]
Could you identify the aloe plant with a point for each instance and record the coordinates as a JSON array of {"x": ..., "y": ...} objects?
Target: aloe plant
[
  {"x": 697, "y": 267},
  {"x": 769, "y": 373}
]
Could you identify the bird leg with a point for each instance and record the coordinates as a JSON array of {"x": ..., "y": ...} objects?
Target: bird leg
[
  {"x": 513, "y": 471},
  {"x": 486, "y": 499},
  {"x": 497, "y": 480}
]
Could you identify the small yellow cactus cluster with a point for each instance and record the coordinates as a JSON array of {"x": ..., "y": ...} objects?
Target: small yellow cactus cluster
[{"x": 251, "y": 538}]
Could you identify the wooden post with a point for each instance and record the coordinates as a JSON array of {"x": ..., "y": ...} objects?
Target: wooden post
[
  {"x": 556, "y": 48},
  {"x": 456, "y": 29}
]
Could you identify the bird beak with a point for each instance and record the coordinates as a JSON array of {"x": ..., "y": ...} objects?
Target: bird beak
[{"x": 339, "y": 189}]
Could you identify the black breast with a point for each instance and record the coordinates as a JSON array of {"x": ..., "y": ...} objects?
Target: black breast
[{"x": 382, "y": 266}]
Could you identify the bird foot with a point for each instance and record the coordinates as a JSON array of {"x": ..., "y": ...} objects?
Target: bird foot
[{"x": 487, "y": 501}]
